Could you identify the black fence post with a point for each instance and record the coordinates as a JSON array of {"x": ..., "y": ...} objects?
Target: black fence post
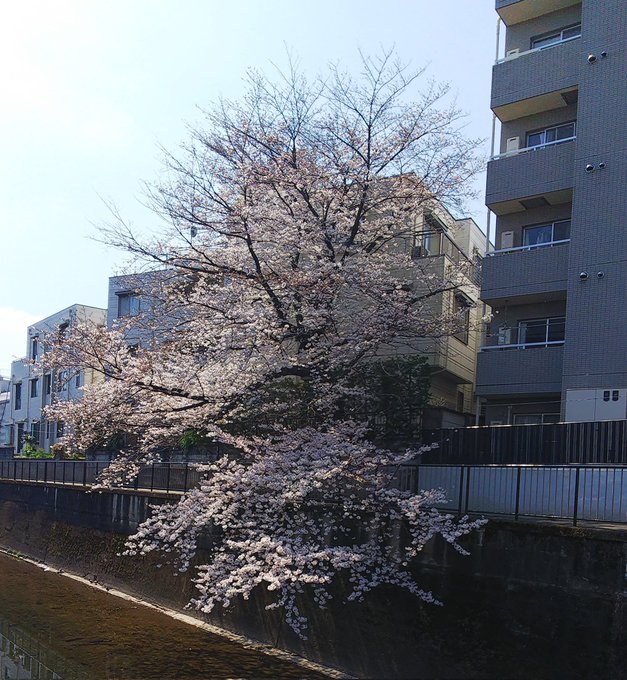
[
  {"x": 185, "y": 478},
  {"x": 576, "y": 501},
  {"x": 152, "y": 477},
  {"x": 461, "y": 490},
  {"x": 85, "y": 473},
  {"x": 167, "y": 481},
  {"x": 467, "y": 490},
  {"x": 517, "y": 506}
]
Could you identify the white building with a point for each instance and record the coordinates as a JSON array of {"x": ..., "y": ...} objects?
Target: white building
[{"x": 32, "y": 388}]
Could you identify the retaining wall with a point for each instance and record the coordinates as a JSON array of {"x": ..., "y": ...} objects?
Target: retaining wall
[{"x": 531, "y": 601}]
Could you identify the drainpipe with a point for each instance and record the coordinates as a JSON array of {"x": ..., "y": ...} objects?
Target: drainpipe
[{"x": 488, "y": 211}]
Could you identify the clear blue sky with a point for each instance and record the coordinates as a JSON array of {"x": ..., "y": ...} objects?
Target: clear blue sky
[{"x": 90, "y": 88}]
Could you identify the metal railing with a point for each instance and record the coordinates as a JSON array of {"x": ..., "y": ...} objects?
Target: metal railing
[
  {"x": 526, "y": 149},
  {"x": 516, "y": 55},
  {"x": 576, "y": 493},
  {"x": 528, "y": 334},
  {"x": 162, "y": 477},
  {"x": 533, "y": 246},
  {"x": 573, "y": 493}
]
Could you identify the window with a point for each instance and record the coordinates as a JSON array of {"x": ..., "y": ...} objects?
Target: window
[
  {"x": 19, "y": 436},
  {"x": 545, "y": 234},
  {"x": 7, "y": 435},
  {"x": 17, "y": 403},
  {"x": 77, "y": 379},
  {"x": 128, "y": 304},
  {"x": 59, "y": 429},
  {"x": 49, "y": 429},
  {"x": 34, "y": 432},
  {"x": 460, "y": 402},
  {"x": 461, "y": 310},
  {"x": 552, "y": 135},
  {"x": 47, "y": 383},
  {"x": 556, "y": 37},
  {"x": 34, "y": 348},
  {"x": 541, "y": 332},
  {"x": 535, "y": 418},
  {"x": 61, "y": 331},
  {"x": 34, "y": 384}
]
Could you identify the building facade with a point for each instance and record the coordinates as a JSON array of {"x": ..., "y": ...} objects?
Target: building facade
[
  {"x": 556, "y": 347},
  {"x": 32, "y": 389},
  {"x": 445, "y": 245}
]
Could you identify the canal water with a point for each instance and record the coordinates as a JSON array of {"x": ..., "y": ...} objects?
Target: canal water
[{"x": 52, "y": 627}]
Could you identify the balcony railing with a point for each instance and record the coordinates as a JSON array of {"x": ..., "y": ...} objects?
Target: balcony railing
[
  {"x": 527, "y": 335},
  {"x": 435, "y": 243},
  {"x": 525, "y": 149},
  {"x": 533, "y": 246},
  {"x": 516, "y": 55}
]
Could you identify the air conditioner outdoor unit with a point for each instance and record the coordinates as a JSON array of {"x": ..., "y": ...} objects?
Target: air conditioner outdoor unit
[{"x": 512, "y": 144}]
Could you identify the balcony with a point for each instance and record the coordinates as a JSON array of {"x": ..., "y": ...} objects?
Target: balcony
[
  {"x": 540, "y": 173},
  {"x": 434, "y": 243},
  {"x": 535, "y": 81},
  {"x": 511, "y": 371},
  {"x": 515, "y": 11},
  {"x": 525, "y": 272}
]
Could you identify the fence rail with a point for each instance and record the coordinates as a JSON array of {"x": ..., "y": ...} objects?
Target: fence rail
[{"x": 576, "y": 493}]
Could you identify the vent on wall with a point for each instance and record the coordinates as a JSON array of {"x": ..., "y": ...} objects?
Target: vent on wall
[{"x": 512, "y": 53}]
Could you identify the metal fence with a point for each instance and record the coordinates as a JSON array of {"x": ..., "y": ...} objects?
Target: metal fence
[
  {"x": 576, "y": 493},
  {"x": 602, "y": 443},
  {"x": 162, "y": 477}
]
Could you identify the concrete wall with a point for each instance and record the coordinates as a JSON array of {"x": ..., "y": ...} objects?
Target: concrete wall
[
  {"x": 535, "y": 74},
  {"x": 530, "y": 602},
  {"x": 525, "y": 273},
  {"x": 510, "y": 372},
  {"x": 597, "y": 314}
]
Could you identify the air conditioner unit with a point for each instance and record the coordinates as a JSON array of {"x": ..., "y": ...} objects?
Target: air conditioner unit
[
  {"x": 512, "y": 144},
  {"x": 507, "y": 239},
  {"x": 513, "y": 52}
]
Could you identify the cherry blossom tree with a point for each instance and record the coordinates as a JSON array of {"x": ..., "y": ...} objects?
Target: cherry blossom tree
[{"x": 285, "y": 274}]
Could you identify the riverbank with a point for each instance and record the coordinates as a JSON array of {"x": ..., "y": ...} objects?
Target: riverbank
[
  {"x": 531, "y": 601},
  {"x": 96, "y": 632}
]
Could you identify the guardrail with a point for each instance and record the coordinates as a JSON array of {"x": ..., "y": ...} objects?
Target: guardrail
[
  {"x": 576, "y": 493},
  {"x": 162, "y": 477},
  {"x": 533, "y": 246},
  {"x": 522, "y": 53},
  {"x": 527, "y": 149}
]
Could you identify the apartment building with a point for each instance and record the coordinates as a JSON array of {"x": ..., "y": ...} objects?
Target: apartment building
[
  {"x": 451, "y": 243},
  {"x": 436, "y": 237},
  {"x": 556, "y": 348},
  {"x": 32, "y": 388}
]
